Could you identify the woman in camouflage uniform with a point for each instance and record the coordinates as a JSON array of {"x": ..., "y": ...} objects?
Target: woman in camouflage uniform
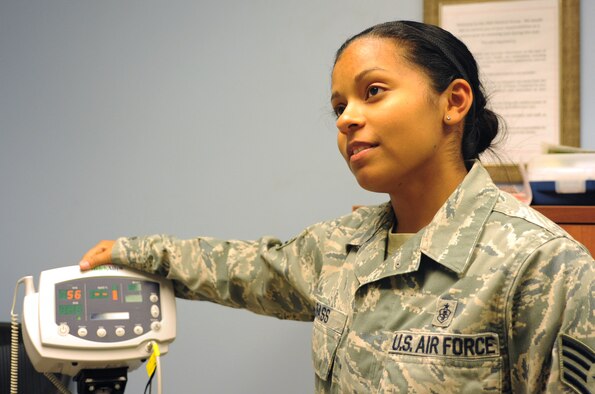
[{"x": 452, "y": 286}]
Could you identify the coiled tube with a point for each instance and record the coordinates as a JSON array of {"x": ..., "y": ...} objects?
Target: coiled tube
[
  {"x": 14, "y": 335},
  {"x": 57, "y": 383},
  {"x": 14, "y": 353}
]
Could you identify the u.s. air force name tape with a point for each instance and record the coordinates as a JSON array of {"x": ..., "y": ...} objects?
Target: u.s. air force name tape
[{"x": 445, "y": 345}]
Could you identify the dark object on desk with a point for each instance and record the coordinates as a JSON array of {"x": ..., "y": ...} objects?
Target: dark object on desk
[
  {"x": 562, "y": 179},
  {"x": 549, "y": 193}
]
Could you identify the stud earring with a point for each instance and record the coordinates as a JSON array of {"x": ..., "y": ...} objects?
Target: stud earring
[{"x": 448, "y": 117}]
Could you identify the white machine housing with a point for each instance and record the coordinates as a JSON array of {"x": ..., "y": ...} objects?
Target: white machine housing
[{"x": 103, "y": 318}]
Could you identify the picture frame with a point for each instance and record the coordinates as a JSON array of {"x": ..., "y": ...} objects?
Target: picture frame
[{"x": 568, "y": 78}]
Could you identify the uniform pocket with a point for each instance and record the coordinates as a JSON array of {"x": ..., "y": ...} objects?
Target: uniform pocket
[
  {"x": 327, "y": 330},
  {"x": 426, "y": 362},
  {"x": 410, "y": 374}
]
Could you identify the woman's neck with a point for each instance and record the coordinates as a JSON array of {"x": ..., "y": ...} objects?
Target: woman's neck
[{"x": 416, "y": 204}]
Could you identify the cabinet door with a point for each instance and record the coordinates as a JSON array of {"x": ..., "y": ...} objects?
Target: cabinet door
[
  {"x": 579, "y": 221},
  {"x": 584, "y": 233}
]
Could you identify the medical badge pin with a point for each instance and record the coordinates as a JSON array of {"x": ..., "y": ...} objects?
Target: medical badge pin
[{"x": 445, "y": 311}]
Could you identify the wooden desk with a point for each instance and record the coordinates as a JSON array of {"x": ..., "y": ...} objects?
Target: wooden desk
[{"x": 579, "y": 221}]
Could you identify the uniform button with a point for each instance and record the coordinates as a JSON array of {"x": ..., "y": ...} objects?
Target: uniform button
[
  {"x": 138, "y": 330},
  {"x": 82, "y": 332},
  {"x": 101, "y": 332},
  {"x": 120, "y": 331}
]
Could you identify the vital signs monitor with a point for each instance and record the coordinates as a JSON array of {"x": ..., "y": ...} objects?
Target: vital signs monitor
[{"x": 108, "y": 318}]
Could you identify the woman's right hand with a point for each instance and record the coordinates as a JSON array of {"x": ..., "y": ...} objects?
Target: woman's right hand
[{"x": 100, "y": 254}]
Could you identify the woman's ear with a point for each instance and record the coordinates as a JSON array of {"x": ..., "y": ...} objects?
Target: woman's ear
[{"x": 458, "y": 98}]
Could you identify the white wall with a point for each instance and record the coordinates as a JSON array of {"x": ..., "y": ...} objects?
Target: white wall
[{"x": 189, "y": 118}]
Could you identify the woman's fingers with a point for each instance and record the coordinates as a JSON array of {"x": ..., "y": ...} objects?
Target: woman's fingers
[{"x": 100, "y": 254}]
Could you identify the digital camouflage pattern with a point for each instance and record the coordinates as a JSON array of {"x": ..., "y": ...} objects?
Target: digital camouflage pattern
[{"x": 490, "y": 297}]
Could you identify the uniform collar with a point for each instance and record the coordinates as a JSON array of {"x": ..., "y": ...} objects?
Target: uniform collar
[
  {"x": 449, "y": 239},
  {"x": 382, "y": 221},
  {"x": 451, "y": 236}
]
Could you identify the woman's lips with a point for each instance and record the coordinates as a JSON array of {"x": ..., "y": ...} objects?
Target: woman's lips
[{"x": 358, "y": 151}]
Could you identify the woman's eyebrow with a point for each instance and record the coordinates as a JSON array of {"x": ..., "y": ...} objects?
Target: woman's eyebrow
[
  {"x": 334, "y": 96},
  {"x": 365, "y": 72},
  {"x": 358, "y": 77}
]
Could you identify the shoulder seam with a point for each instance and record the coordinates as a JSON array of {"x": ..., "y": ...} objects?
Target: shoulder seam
[{"x": 552, "y": 228}]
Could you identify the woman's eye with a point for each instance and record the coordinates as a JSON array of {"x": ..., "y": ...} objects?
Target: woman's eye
[
  {"x": 373, "y": 91},
  {"x": 339, "y": 110}
]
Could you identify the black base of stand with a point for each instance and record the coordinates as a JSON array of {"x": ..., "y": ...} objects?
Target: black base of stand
[{"x": 102, "y": 381}]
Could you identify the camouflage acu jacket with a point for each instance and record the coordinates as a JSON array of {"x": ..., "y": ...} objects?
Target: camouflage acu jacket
[{"x": 490, "y": 297}]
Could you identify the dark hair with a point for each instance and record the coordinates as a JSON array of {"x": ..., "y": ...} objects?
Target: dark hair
[{"x": 444, "y": 58}]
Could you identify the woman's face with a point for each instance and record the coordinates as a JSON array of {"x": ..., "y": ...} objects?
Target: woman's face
[{"x": 390, "y": 121}]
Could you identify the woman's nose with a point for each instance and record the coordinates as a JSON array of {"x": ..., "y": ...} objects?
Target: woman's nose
[{"x": 350, "y": 119}]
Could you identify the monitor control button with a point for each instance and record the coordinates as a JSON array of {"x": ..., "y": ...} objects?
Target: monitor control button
[
  {"x": 101, "y": 332},
  {"x": 138, "y": 330},
  {"x": 82, "y": 331},
  {"x": 155, "y": 311},
  {"x": 63, "y": 329},
  {"x": 120, "y": 331}
]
